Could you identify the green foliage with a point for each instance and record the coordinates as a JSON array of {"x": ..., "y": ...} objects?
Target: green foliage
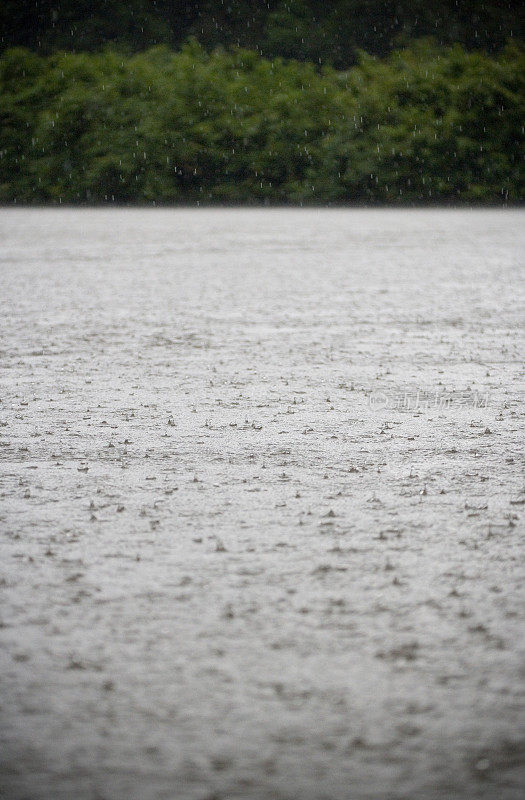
[
  {"x": 431, "y": 124},
  {"x": 426, "y": 124},
  {"x": 327, "y": 33}
]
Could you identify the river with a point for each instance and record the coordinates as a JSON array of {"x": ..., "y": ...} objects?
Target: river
[{"x": 261, "y": 504}]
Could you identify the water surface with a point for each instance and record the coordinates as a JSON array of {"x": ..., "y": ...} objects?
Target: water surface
[{"x": 262, "y": 502}]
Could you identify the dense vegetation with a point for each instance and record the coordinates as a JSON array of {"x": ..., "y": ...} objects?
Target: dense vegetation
[
  {"x": 426, "y": 123},
  {"x": 329, "y": 32}
]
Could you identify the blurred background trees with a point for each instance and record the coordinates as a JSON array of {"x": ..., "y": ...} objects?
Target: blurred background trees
[
  {"x": 250, "y": 102},
  {"x": 328, "y": 32}
]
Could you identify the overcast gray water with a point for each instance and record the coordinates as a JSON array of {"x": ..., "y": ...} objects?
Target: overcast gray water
[{"x": 262, "y": 494}]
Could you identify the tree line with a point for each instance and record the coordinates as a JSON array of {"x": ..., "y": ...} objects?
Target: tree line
[
  {"x": 326, "y": 33},
  {"x": 426, "y": 123}
]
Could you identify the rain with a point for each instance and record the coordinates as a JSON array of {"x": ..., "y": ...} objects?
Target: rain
[{"x": 261, "y": 400}]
